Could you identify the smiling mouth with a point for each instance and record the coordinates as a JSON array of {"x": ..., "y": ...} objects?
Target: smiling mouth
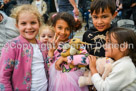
[
  {"x": 62, "y": 36},
  {"x": 100, "y": 27},
  {"x": 29, "y": 31}
]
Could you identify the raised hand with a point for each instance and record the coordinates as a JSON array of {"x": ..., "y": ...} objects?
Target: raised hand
[{"x": 53, "y": 46}]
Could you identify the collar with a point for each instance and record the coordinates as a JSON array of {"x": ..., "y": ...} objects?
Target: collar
[
  {"x": 125, "y": 58},
  {"x": 23, "y": 40}
]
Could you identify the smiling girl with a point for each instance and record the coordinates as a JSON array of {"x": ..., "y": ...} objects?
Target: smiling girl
[{"x": 22, "y": 61}]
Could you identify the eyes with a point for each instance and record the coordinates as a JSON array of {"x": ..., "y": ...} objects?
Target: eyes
[
  {"x": 48, "y": 36},
  {"x": 103, "y": 16},
  {"x": 32, "y": 23},
  {"x": 60, "y": 28}
]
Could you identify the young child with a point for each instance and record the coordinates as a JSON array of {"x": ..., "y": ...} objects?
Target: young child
[
  {"x": 102, "y": 12},
  {"x": 46, "y": 34},
  {"x": 121, "y": 46},
  {"x": 22, "y": 63},
  {"x": 67, "y": 78}
]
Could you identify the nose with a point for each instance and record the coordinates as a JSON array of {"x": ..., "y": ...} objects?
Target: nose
[
  {"x": 46, "y": 37},
  {"x": 63, "y": 31},
  {"x": 29, "y": 26},
  {"x": 99, "y": 21}
]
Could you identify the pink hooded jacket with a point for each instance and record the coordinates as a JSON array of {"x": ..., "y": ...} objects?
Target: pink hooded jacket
[{"x": 15, "y": 65}]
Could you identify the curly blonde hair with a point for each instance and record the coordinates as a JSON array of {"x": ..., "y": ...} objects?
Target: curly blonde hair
[
  {"x": 44, "y": 28},
  {"x": 26, "y": 8}
]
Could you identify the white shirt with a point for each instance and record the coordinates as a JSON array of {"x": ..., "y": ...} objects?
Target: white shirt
[
  {"x": 39, "y": 79},
  {"x": 122, "y": 77}
]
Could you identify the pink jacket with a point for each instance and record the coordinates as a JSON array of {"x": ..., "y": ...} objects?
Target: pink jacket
[{"x": 15, "y": 65}]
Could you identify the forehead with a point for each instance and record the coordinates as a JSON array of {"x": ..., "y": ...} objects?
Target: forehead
[
  {"x": 111, "y": 37},
  {"x": 25, "y": 16},
  {"x": 47, "y": 31},
  {"x": 106, "y": 11},
  {"x": 62, "y": 22}
]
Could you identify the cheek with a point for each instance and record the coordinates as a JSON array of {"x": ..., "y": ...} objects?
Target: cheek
[
  {"x": 108, "y": 21},
  {"x": 50, "y": 39},
  {"x": 56, "y": 31},
  {"x": 68, "y": 33},
  {"x": 37, "y": 27}
]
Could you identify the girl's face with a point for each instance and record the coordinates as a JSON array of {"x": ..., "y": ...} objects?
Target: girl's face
[
  {"x": 62, "y": 30},
  {"x": 112, "y": 48},
  {"x": 46, "y": 36},
  {"x": 28, "y": 26},
  {"x": 102, "y": 20}
]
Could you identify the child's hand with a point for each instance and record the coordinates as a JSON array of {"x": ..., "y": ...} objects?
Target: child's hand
[
  {"x": 55, "y": 41},
  {"x": 59, "y": 62},
  {"x": 92, "y": 64},
  {"x": 53, "y": 46},
  {"x": 134, "y": 4}
]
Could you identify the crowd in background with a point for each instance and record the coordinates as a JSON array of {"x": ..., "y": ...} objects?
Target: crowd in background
[{"x": 126, "y": 8}]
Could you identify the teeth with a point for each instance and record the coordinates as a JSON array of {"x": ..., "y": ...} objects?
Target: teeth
[{"x": 29, "y": 31}]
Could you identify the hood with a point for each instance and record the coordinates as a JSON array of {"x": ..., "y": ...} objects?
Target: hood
[{"x": 4, "y": 17}]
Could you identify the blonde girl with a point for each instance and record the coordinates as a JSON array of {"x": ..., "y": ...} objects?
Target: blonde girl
[
  {"x": 46, "y": 34},
  {"x": 22, "y": 61}
]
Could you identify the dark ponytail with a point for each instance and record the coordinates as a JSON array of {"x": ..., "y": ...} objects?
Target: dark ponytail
[
  {"x": 78, "y": 24},
  {"x": 133, "y": 57}
]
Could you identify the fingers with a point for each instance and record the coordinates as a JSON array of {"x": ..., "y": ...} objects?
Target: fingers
[
  {"x": 92, "y": 58},
  {"x": 56, "y": 40},
  {"x": 57, "y": 66},
  {"x": 55, "y": 37},
  {"x": 92, "y": 61}
]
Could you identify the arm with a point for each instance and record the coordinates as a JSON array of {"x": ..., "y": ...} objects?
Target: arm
[
  {"x": 6, "y": 67},
  {"x": 119, "y": 78},
  {"x": 56, "y": 5},
  {"x": 81, "y": 58},
  {"x": 92, "y": 64},
  {"x": 52, "y": 54},
  {"x": 73, "y": 3},
  {"x": 50, "y": 57}
]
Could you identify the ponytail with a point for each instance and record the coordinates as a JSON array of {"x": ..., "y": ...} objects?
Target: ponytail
[
  {"x": 132, "y": 55},
  {"x": 78, "y": 24}
]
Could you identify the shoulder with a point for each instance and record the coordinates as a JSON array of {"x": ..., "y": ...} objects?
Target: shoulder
[
  {"x": 125, "y": 64},
  {"x": 14, "y": 41}
]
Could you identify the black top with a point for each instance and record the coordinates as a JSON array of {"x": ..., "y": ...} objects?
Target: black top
[{"x": 96, "y": 41}]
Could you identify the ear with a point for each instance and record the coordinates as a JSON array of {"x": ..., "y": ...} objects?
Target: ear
[
  {"x": 114, "y": 15},
  {"x": 16, "y": 25},
  {"x": 123, "y": 47}
]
